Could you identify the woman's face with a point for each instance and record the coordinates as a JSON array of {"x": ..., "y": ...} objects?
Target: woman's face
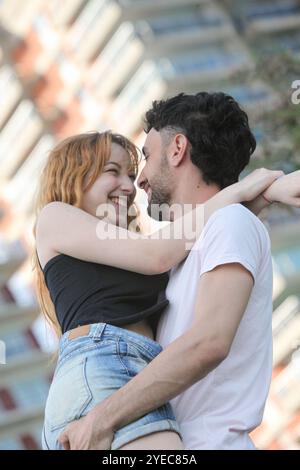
[{"x": 113, "y": 191}]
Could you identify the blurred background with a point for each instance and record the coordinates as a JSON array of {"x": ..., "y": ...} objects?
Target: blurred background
[{"x": 79, "y": 65}]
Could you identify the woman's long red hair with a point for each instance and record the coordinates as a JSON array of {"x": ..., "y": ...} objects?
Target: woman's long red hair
[{"x": 72, "y": 167}]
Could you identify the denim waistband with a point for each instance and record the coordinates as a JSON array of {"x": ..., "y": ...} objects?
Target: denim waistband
[{"x": 102, "y": 331}]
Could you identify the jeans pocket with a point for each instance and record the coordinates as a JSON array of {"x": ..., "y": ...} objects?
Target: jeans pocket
[
  {"x": 134, "y": 357},
  {"x": 69, "y": 394},
  {"x": 142, "y": 352}
]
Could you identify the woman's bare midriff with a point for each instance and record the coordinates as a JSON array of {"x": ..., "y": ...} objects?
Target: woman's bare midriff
[{"x": 142, "y": 327}]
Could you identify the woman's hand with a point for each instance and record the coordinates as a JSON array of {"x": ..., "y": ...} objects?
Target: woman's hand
[
  {"x": 256, "y": 183},
  {"x": 285, "y": 190}
]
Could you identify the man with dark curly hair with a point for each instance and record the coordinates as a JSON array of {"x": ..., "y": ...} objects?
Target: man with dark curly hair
[{"x": 217, "y": 331}]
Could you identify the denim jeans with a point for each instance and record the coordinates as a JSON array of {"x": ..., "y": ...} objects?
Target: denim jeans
[{"x": 90, "y": 368}]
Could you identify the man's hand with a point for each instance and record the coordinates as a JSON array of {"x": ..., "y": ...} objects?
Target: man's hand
[
  {"x": 87, "y": 433},
  {"x": 285, "y": 190}
]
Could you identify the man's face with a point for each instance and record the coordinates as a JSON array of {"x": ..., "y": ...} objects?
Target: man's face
[{"x": 156, "y": 177}]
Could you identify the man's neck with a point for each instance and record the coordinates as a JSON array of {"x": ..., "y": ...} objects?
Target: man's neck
[{"x": 186, "y": 197}]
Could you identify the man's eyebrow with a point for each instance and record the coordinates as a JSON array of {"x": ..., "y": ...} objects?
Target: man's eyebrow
[{"x": 113, "y": 163}]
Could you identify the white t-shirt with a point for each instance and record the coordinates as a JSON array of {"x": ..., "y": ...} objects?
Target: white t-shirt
[{"x": 220, "y": 410}]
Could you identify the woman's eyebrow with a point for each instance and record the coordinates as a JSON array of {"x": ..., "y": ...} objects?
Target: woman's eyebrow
[{"x": 113, "y": 163}]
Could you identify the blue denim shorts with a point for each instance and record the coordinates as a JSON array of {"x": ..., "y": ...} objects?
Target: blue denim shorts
[{"x": 92, "y": 367}]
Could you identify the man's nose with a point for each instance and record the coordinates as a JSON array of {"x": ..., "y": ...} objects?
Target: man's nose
[{"x": 142, "y": 180}]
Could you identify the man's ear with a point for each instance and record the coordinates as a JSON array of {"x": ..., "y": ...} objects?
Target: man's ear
[{"x": 178, "y": 150}]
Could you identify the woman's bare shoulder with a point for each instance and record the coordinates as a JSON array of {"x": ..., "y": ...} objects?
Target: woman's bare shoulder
[
  {"x": 45, "y": 255},
  {"x": 43, "y": 245}
]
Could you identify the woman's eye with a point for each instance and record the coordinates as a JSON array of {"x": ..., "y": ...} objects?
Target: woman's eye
[
  {"x": 112, "y": 170},
  {"x": 132, "y": 177}
]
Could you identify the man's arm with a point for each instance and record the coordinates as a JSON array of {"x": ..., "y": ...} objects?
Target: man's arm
[
  {"x": 185, "y": 361},
  {"x": 192, "y": 356}
]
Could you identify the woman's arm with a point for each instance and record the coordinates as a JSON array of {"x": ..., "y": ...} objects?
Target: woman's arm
[
  {"x": 258, "y": 204},
  {"x": 63, "y": 228},
  {"x": 285, "y": 190}
]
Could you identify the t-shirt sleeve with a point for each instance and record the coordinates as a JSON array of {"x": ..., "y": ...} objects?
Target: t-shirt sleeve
[{"x": 232, "y": 235}]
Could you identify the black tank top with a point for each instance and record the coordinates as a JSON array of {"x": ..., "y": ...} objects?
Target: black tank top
[{"x": 83, "y": 293}]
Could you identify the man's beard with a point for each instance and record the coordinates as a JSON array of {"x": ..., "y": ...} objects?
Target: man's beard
[{"x": 161, "y": 190}]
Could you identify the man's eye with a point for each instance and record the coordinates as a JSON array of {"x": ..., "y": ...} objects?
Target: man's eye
[{"x": 146, "y": 157}]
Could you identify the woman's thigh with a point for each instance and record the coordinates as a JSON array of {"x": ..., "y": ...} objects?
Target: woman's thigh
[{"x": 164, "y": 440}]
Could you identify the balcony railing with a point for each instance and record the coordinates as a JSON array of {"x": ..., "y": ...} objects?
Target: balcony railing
[{"x": 209, "y": 60}]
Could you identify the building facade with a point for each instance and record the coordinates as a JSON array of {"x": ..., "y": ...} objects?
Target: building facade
[{"x": 79, "y": 65}]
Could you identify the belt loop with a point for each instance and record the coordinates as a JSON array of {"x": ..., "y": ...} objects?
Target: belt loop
[
  {"x": 63, "y": 340},
  {"x": 98, "y": 330}
]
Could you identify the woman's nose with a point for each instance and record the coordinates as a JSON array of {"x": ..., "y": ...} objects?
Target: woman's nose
[{"x": 128, "y": 185}]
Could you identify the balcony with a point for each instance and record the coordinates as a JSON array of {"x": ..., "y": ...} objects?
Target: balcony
[
  {"x": 17, "y": 16},
  {"x": 20, "y": 190},
  {"x": 24, "y": 394},
  {"x": 92, "y": 26},
  {"x": 137, "y": 8},
  {"x": 145, "y": 86},
  {"x": 286, "y": 386},
  {"x": 286, "y": 329},
  {"x": 117, "y": 60},
  {"x": 288, "y": 262},
  {"x": 13, "y": 314},
  {"x": 22, "y": 431},
  {"x": 12, "y": 255},
  {"x": 11, "y": 90},
  {"x": 268, "y": 16},
  {"x": 205, "y": 64},
  {"x": 278, "y": 43},
  {"x": 184, "y": 26},
  {"x": 256, "y": 97},
  {"x": 25, "y": 380},
  {"x": 25, "y": 121},
  {"x": 64, "y": 13}
]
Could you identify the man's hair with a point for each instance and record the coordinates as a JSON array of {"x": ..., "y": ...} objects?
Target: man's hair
[{"x": 216, "y": 128}]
